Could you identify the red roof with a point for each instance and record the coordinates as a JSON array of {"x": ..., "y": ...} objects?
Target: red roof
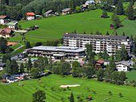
[
  {"x": 100, "y": 61},
  {"x": 30, "y": 14},
  {"x": 2, "y": 16},
  {"x": 5, "y": 31}
]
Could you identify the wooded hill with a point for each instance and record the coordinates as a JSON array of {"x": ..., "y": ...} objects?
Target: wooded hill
[{"x": 16, "y": 9}]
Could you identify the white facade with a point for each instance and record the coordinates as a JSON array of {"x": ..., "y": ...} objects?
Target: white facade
[
  {"x": 89, "y": 2},
  {"x": 1, "y": 68},
  {"x": 72, "y": 42},
  {"x": 5, "y": 36},
  {"x": 2, "y": 21},
  {"x": 30, "y": 18},
  {"x": 122, "y": 67},
  {"x": 98, "y": 47},
  {"x": 100, "y": 43},
  {"x": 12, "y": 25}
]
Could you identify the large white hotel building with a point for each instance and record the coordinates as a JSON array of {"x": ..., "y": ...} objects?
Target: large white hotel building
[{"x": 100, "y": 43}]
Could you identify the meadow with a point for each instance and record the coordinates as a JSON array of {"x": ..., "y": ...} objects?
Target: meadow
[
  {"x": 54, "y": 27},
  {"x": 129, "y": 27},
  {"x": 131, "y": 75},
  {"x": 22, "y": 91}
]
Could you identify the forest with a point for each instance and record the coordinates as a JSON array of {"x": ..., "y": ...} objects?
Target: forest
[{"x": 16, "y": 9}]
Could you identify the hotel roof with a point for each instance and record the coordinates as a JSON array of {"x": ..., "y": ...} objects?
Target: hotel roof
[
  {"x": 58, "y": 48},
  {"x": 96, "y": 36}
]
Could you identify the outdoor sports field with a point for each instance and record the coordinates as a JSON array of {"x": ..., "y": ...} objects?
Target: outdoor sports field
[{"x": 22, "y": 92}]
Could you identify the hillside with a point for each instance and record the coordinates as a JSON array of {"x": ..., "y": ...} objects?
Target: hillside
[
  {"x": 54, "y": 27},
  {"x": 129, "y": 27},
  {"x": 16, "y": 93}
]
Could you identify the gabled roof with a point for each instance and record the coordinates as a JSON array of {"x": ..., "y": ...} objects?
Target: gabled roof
[
  {"x": 3, "y": 16},
  {"x": 100, "y": 61},
  {"x": 49, "y": 11},
  {"x": 5, "y": 31},
  {"x": 66, "y": 9},
  {"x": 30, "y": 14},
  {"x": 13, "y": 23},
  {"x": 126, "y": 63}
]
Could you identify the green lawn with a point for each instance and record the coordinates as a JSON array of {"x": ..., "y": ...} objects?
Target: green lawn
[
  {"x": 54, "y": 27},
  {"x": 129, "y": 27},
  {"x": 15, "y": 93},
  {"x": 131, "y": 75}
]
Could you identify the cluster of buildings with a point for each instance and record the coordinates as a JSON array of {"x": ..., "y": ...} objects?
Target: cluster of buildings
[
  {"x": 120, "y": 66},
  {"x": 32, "y": 15},
  {"x": 14, "y": 78},
  {"x": 9, "y": 28},
  {"x": 73, "y": 48}
]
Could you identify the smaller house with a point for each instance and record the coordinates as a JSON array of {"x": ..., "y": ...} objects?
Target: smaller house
[
  {"x": 99, "y": 64},
  {"x": 84, "y": 7},
  {"x": 6, "y": 32},
  {"x": 89, "y": 2},
  {"x": 30, "y": 15},
  {"x": 124, "y": 65},
  {"x": 66, "y": 11},
  {"x": 49, "y": 13},
  {"x": 3, "y": 19},
  {"x": 12, "y": 25},
  {"x": 11, "y": 43}
]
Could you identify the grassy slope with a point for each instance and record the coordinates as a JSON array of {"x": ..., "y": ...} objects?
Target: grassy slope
[
  {"x": 54, "y": 27},
  {"x": 15, "y": 93},
  {"x": 131, "y": 75},
  {"x": 129, "y": 27}
]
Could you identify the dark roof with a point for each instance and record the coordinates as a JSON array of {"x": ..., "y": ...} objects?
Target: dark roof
[
  {"x": 127, "y": 63},
  {"x": 96, "y": 36},
  {"x": 2, "y": 64}
]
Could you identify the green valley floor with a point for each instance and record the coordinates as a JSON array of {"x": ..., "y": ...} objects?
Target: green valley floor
[{"x": 22, "y": 91}]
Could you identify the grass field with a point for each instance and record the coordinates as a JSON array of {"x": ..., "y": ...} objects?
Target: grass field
[
  {"x": 89, "y": 22},
  {"x": 129, "y": 27},
  {"x": 54, "y": 27},
  {"x": 16, "y": 93},
  {"x": 131, "y": 75}
]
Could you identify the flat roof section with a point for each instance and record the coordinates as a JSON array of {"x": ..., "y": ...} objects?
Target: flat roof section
[{"x": 58, "y": 48}]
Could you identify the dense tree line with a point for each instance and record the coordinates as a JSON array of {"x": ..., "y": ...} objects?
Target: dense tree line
[{"x": 16, "y": 9}]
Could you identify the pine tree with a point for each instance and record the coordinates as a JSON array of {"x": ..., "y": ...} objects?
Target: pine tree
[
  {"x": 29, "y": 65},
  {"x": 39, "y": 96},
  {"x": 71, "y": 98},
  {"x": 100, "y": 74},
  {"x": 28, "y": 45},
  {"x": 120, "y": 9},
  {"x": 130, "y": 12},
  {"x": 21, "y": 68},
  {"x": 116, "y": 21},
  {"x": 104, "y": 14}
]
